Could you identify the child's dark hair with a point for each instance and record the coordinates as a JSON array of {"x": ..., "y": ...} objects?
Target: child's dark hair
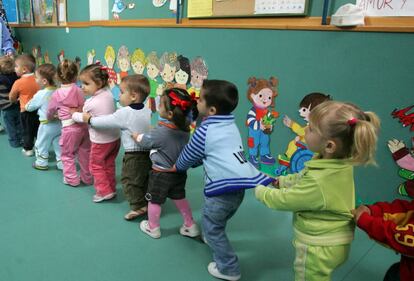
[
  {"x": 28, "y": 61},
  {"x": 67, "y": 72},
  {"x": 98, "y": 74},
  {"x": 221, "y": 94},
  {"x": 314, "y": 99},
  {"x": 6, "y": 65},
  {"x": 137, "y": 83},
  {"x": 48, "y": 72},
  {"x": 183, "y": 107}
]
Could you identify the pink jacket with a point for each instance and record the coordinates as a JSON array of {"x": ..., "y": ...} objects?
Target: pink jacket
[
  {"x": 63, "y": 99},
  {"x": 101, "y": 103}
]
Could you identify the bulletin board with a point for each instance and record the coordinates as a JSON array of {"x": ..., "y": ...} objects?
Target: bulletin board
[{"x": 246, "y": 8}]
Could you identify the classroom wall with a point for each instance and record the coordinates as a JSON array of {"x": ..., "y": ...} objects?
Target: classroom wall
[{"x": 373, "y": 70}]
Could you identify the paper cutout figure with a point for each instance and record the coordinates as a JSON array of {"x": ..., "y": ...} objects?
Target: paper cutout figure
[
  {"x": 153, "y": 71},
  {"x": 47, "y": 58},
  {"x": 138, "y": 61},
  {"x": 37, "y": 54},
  {"x": 90, "y": 56},
  {"x": 169, "y": 66},
  {"x": 158, "y": 3},
  {"x": 261, "y": 93},
  {"x": 199, "y": 72},
  {"x": 61, "y": 56},
  {"x": 309, "y": 102},
  {"x": 78, "y": 62},
  {"x": 183, "y": 75},
  {"x": 110, "y": 58},
  {"x": 405, "y": 161},
  {"x": 407, "y": 119},
  {"x": 123, "y": 62},
  {"x": 173, "y": 6},
  {"x": 119, "y": 6}
]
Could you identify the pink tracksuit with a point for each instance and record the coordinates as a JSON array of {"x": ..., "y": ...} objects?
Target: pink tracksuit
[
  {"x": 74, "y": 140},
  {"x": 105, "y": 142}
]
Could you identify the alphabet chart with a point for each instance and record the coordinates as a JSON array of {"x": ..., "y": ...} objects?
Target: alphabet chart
[{"x": 280, "y": 7}]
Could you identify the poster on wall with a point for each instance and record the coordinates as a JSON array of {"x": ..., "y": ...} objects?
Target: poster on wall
[
  {"x": 384, "y": 8},
  {"x": 61, "y": 11},
  {"x": 25, "y": 11},
  {"x": 44, "y": 12},
  {"x": 10, "y": 6}
]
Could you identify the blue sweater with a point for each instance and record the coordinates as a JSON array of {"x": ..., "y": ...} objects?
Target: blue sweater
[{"x": 218, "y": 146}]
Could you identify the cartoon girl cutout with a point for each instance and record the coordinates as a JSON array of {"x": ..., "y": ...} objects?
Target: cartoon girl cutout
[
  {"x": 124, "y": 62},
  {"x": 113, "y": 78},
  {"x": 153, "y": 71},
  {"x": 199, "y": 72},
  {"x": 261, "y": 94},
  {"x": 183, "y": 75},
  {"x": 138, "y": 61},
  {"x": 169, "y": 66}
]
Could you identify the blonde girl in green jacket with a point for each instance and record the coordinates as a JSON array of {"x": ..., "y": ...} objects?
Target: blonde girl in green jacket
[{"x": 322, "y": 195}]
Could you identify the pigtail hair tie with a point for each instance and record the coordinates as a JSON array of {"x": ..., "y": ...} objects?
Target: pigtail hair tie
[{"x": 351, "y": 122}]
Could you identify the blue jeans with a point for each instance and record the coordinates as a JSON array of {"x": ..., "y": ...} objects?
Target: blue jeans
[
  {"x": 217, "y": 211},
  {"x": 260, "y": 143},
  {"x": 11, "y": 117}
]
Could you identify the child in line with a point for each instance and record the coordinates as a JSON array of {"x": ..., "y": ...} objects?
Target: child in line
[
  {"x": 105, "y": 142},
  {"x": 132, "y": 117},
  {"x": 218, "y": 146},
  {"x": 9, "y": 110},
  {"x": 74, "y": 141},
  {"x": 166, "y": 142},
  {"x": 49, "y": 131},
  {"x": 391, "y": 224},
  {"x": 24, "y": 89},
  {"x": 322, "y": 195}
]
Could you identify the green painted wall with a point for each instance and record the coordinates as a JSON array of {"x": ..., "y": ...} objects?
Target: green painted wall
[{"x": 373, "y": 70}]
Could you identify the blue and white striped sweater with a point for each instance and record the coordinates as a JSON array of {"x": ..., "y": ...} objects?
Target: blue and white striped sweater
[{"x": 218, "y": 146}]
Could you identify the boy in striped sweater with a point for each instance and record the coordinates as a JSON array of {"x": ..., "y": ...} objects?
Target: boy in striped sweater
[{"x": 217, "y": 145}]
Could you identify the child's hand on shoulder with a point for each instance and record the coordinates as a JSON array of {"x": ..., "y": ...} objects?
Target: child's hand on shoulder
[
  {"x": 359, "y": 211},
  {"x": 75, "y": 109},
  {"x": 137, "y": 137},
  {"x": 86, "y": 117}
]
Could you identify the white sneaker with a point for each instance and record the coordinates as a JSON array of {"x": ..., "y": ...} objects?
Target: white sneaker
[
  {"x": 28, "y": 153},
  {"x": 213, "y": 270},
  {"x": 1, "y": 128},
  {"x": 65, "y": 182},
  {"x": 190, "y": 231},
  {"x": 154, "y": 233},
  {"x": 59, "y": 165},
  {"x": 98, "y": 198}
]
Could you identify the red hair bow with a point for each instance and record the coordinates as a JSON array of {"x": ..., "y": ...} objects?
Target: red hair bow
[
  {"x": 193, "y": 96},
  {"x": 176, "y": 101}
]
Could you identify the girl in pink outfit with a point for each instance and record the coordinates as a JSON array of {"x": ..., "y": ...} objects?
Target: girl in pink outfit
[
  {"x": 74, "y": 140},
  {"x": 105, "y": 142}
]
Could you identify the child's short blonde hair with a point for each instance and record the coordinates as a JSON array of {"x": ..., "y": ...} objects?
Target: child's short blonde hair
[
  {"x": 28, "y": 61},
  {"x": 6, "y": 65},
  {"x": 354, "y": 130}
]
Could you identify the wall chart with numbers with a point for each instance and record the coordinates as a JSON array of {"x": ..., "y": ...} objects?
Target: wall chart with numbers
[{"x": 280, "y": 7}]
